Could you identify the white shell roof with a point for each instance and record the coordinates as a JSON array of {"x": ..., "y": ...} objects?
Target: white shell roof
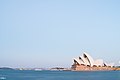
[{"x": 86, "y": 59}]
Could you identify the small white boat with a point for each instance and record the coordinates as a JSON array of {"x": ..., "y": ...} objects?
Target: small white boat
[{"x": 2, "y": 78}]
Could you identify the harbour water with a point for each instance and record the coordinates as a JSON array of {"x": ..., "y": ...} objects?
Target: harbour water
[{"x": 58, "y": 75}]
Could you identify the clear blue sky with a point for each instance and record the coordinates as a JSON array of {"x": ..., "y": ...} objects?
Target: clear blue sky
[{"x": 49, "y": 33}]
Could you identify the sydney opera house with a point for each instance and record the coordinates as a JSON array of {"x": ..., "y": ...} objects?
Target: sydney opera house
[{"x": 86, "y": 62}]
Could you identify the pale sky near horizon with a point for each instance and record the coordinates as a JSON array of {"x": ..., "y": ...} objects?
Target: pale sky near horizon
[{"x": 50, "y": 33}]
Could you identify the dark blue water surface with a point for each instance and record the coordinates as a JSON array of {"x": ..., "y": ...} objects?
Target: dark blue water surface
[{"x": 58, "y": 75}]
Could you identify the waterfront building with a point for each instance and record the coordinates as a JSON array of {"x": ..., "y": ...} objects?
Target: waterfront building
[{"x": 86, "y": 62}]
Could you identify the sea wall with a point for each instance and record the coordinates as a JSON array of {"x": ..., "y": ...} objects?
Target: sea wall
[{"x": 86, "y": 68}]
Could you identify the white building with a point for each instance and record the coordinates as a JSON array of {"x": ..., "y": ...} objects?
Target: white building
[{"x": 87, "y": 60}]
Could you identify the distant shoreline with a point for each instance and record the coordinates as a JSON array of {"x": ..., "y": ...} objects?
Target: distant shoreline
[{"x": 77, "y": 68}]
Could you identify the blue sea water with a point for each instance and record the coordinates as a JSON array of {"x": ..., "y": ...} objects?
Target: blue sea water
[{"x": 58, "y": 75}]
